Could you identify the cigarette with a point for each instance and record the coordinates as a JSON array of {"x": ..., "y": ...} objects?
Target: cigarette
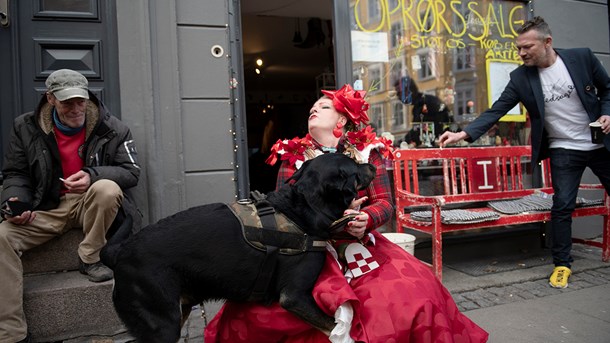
[{"x": 62, "y": 179}]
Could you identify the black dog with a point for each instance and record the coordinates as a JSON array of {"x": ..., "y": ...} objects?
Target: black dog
[{"x": 200, "y": 254}]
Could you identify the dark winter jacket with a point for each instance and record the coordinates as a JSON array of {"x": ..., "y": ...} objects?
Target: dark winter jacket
[{"x": 32, "y": 167}]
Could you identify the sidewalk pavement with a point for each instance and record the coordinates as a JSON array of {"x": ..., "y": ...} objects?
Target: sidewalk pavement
[
  {"x": 515, "y": 306},
  {"x": 519, "y": 306}
]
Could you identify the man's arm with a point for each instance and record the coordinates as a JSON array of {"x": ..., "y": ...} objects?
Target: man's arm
[
  {"x": 16, "y": 169},
  {"x": 123, "y": 168},
  {"x": 508, "y": 99},
  {"x": 449, "y": 137}
]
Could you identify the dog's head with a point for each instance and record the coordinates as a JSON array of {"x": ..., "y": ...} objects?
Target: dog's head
[{"x": 328, "y": 184}]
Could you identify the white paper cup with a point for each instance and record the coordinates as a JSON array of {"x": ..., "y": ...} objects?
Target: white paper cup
[{"x": 404, "y": 240}]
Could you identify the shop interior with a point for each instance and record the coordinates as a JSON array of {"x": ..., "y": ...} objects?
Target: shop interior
[{"x": 288, "y": 58}]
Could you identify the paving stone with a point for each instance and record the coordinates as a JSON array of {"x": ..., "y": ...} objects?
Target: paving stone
[
  {"x": 468, "y": 305},
  {"x": 485, "y": 303}
]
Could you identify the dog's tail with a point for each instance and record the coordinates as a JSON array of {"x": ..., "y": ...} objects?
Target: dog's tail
[{"x": 110, "y": 251}]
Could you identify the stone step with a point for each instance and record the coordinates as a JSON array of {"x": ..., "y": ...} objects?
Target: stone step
[
  {"x": 60, "y": 303},
  {"x": 57, "y": 255},
  {"x": 65, "y": 305}
]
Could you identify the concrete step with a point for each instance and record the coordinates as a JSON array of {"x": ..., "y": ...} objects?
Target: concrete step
[
  {"x": 57, "y": 255},
  {"x": 60, "y": 303},
  {"x": 65, "y": 305}
]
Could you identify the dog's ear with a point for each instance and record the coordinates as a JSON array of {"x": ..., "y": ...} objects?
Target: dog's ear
[{"x": 366, "y": 174}]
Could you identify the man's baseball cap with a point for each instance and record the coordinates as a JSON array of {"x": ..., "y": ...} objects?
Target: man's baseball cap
[{"x": 67, "y": 84}]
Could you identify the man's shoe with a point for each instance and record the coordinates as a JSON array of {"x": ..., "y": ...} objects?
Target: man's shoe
[
  {"x": 559, "y": 278},
  {"x": 96, "y": 272}
]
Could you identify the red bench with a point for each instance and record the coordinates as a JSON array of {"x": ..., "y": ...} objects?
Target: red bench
[{"x": 472, "y": 178}]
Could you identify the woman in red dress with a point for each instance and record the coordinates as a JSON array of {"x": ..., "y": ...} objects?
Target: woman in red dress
[{"x": 374, "y": 289}]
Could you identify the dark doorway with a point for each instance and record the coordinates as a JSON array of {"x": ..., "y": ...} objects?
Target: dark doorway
[{"x": 294, "y": 42}]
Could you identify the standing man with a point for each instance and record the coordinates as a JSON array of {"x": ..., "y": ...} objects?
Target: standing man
[
  {"x": 563, "y": 91},
  {"x": 68, "y": 165}
]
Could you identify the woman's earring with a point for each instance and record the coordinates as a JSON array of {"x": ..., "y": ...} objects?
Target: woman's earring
[{"x": 337, "y": 132}]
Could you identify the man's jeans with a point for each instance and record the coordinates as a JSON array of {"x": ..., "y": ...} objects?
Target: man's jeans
[{"x": 567, "y": 167}]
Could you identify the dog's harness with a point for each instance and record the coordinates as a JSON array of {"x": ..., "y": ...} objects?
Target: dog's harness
[{"x": 273, "y": 233}]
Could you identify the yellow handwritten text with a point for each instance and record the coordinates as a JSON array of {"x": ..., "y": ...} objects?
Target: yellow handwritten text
[{"x": 460, "y": 19}]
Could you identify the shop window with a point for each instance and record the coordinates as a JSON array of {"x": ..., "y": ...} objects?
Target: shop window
[
  {"x": 376, "y": 117},
  {"x": 374, "y": 10},
  {"x": 396, "y": 35},
  {"x": 376, "y": 84},
  {"x": 398, "y": 115},
  {"x": 464, "y": 59},
  {"x": 397, "y": 70},
  {"x": 427, "y": 62},
  {"x": 462, "y": 97},
  {"x": 428, "y": 25},
  {"x": 454, "y": 50}
]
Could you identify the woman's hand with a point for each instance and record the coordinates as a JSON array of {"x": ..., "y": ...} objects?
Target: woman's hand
[
  {"x": 356, "y": 203},
  {"x": 357, "y": 227}
]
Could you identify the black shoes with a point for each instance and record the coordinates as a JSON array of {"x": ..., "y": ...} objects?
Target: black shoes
[{"x": 96, "y": 272}]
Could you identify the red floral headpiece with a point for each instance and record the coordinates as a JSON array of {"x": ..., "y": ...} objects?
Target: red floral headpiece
[{"x": 350, "y": 102}]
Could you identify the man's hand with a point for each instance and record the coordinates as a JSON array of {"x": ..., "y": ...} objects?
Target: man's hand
[
  {"x": 78, "y": 182},
  {"x": 451, "y": 137},
  {"x": 605, "y": 121},
  {"x": 24, "y": 218}
]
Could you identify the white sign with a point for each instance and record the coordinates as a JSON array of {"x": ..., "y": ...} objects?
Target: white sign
[
  {"x": 369, "y": 46},
  {"x": 415, "y": 62},
  {"x": 498, "y": 75}
]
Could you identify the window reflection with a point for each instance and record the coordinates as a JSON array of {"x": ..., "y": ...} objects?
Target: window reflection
[{"x": 444, "y": 48}]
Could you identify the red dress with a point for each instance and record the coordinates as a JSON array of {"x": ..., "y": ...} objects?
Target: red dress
[{"x": 401, "y": 301}]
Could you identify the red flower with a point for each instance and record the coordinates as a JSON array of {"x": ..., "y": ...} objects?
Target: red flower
[
  {"x": 350, "y": 102},
  {"x": 292, "y": 150},
  {"x": 272, "y": 159},
  {"x": 360, "y": 139},
  {"x": 388, "y": 151}
]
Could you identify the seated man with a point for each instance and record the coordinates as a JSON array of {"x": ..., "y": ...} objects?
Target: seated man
[{"x": 68, "y": 165}]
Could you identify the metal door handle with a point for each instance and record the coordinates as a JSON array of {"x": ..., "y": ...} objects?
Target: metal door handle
[{"x": 4, "y": 22}]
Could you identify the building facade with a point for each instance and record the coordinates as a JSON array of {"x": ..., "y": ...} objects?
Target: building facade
[{"x": 176, "y": 71}]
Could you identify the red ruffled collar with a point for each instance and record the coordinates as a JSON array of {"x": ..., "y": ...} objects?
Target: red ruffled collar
[{"x": 356, "y": 144}]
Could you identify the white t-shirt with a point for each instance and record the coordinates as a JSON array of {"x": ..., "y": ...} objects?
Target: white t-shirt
[{"x": 565, "y": 118}]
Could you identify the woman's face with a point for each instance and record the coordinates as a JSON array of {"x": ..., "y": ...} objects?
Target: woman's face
[{"x": 323, "y": 116}]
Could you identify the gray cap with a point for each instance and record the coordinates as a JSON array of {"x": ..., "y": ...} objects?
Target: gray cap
[{"x": 67, "y": 84}]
